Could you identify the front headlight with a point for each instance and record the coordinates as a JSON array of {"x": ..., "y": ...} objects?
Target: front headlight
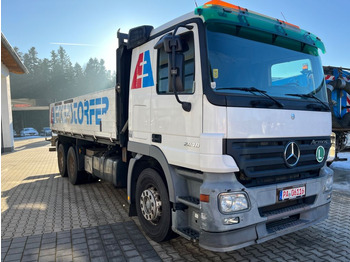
[
  {"x": 331, "y": 153},
  {"x": 233, "y": 202}
]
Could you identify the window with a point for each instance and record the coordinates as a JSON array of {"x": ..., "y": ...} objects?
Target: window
[
  {"x": 282, "y": 72},
  {"x": 163, "y": 69}
]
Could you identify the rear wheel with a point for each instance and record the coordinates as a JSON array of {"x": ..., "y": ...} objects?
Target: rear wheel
[
  {"x": 62, "y": 160},
  {"x": 153, "y": 206},
  {"x": 72, "y": 167}
]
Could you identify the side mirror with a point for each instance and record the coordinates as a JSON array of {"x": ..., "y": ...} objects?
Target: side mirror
[
  {"x": 177, "y": 72},
  {"x": 173, "y": 45}
]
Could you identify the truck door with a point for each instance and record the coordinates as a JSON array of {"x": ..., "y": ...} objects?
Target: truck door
[{"x": 175, "y": 131}]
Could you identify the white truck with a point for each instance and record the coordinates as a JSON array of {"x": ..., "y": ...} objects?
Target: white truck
[{"x": 218, "y": 126}]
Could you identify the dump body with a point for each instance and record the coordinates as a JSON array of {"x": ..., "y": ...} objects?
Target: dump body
[{"x": 92, "y": 115}]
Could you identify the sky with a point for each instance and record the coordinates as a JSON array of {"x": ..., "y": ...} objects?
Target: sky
[{"x": 88, "y": 28}]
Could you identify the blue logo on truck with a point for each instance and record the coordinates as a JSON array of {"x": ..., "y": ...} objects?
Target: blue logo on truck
[{"x": 87, "y": 112}]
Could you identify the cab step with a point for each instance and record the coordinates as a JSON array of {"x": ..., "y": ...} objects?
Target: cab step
[
  {"x": 189, "y": 201},
  {"x": 188, "y": 233}
]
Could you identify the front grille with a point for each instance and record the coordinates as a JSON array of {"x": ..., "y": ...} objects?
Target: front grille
[{"x": 261, "y": 161}]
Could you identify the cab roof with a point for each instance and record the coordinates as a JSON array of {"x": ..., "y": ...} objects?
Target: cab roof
[{"x": 220, "y": 11}]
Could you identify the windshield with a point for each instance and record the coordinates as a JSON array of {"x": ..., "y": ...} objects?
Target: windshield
[{"x": 276, "y": 65}]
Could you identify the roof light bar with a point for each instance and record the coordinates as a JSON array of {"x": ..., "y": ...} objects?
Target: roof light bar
[
  {"x": 238, "y": 8},
  {"x": 223, "y": 4}
]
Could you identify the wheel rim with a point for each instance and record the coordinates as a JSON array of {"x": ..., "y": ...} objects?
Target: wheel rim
[{"x": 151, "y": 205}]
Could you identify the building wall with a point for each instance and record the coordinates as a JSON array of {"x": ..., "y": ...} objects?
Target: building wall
[{"x": 7, "y": 144}]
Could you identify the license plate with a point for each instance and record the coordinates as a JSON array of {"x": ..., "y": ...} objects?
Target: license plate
[{"x": 292, "y": 193}]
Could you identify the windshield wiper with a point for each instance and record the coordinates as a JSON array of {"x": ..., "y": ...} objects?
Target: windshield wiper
[
  {"x": 253, "y": 90},
  {"x": 310, "y": 96}
]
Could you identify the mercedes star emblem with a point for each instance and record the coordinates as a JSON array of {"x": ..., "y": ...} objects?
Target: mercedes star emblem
[{"x": 291, "y": 154}]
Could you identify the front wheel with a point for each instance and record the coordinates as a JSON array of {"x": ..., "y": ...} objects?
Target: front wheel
[{"x": 153, "y": 206}]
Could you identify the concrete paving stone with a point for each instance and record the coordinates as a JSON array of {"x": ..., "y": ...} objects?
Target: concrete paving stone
[
  {"x": 99, "y": 259},
  {"x": 152, "y": 253},
  {"x": 63, "y": 235},
  {"x": 97, "y": 253},
  {"x": 128, "y": 247},
  {"x": 66, "y": 240},
  {"x": 48, "y": 245},
  {"x": 64, "y": 252},
  {"x": 80, "y": 246},
  {"x": 5, "y": 243},
  {"x": 47, "y": 259},
  {"x": 3, "y": 255},
  {"x": 155, "y": 260},
  {"x": 141, "y": 241},
  {"x": 145, "y": 247},
  {"x": 81, "y": 259},
  {"x": 30, "y": 258},
  {"x": 19, "y": 240},
  {"x": 95, "y": 247},
  {"x": 77, "y": 231},
  {"x": 35, "y": 238},
  {"x": 125, "y": 241},
  {"x": 31, "y": 245},
  {"x": 46, "y": 252},
  {"x": 92, "y": 235},
  {"x": 111, "y": 247},
  {"x": 135, "y": 259},
  {"x": 13, "y": 257},
  {"x": 109, "y": 241},
  {"x": 4, "y": 250},
  {"x": 107, "y": 236},
  {"x": 131, "y": 253},
  {"x": 15, "y": 250},
  {"x": 117, "y": 259},
  {"x": 81, "y": 252},
  {"x": 76, "y": 241},
  {"x": 94, "y": 241},
  {"x": 78, "y": 235},
  {"x": 113, "y": 253},
  {"x": 63, "y": 246},
  {"x": 31, "y": 251},
  {"x": 64, "y": 259}
]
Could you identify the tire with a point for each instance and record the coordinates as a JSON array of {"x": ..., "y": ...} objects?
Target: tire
[
  {"x": 62, "y": 160},
  {"x": 72, "y": 167},
  {"x": 153, "y": 205}
]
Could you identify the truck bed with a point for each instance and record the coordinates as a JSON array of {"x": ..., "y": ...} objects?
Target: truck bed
[{"x": 93, "y": 115}]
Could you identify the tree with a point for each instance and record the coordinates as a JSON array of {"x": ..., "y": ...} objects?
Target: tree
[{"x": 55, "y": 79}]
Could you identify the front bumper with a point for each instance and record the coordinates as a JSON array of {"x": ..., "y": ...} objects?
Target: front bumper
[
  {"x": 267, "y": 217},
  {"x": 256, "y": 234}
]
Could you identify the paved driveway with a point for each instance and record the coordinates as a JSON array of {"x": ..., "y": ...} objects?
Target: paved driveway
[{"x": 45, "y": 218}]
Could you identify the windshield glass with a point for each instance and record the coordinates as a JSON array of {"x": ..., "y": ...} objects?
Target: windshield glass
[{"x": 279, "y": 66}]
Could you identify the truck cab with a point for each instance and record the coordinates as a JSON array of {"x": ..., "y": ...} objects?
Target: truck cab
[{"x": 247, "y": 161}]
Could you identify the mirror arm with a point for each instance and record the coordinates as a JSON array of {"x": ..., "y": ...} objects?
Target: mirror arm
[{"x": 185, "y": 105}]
